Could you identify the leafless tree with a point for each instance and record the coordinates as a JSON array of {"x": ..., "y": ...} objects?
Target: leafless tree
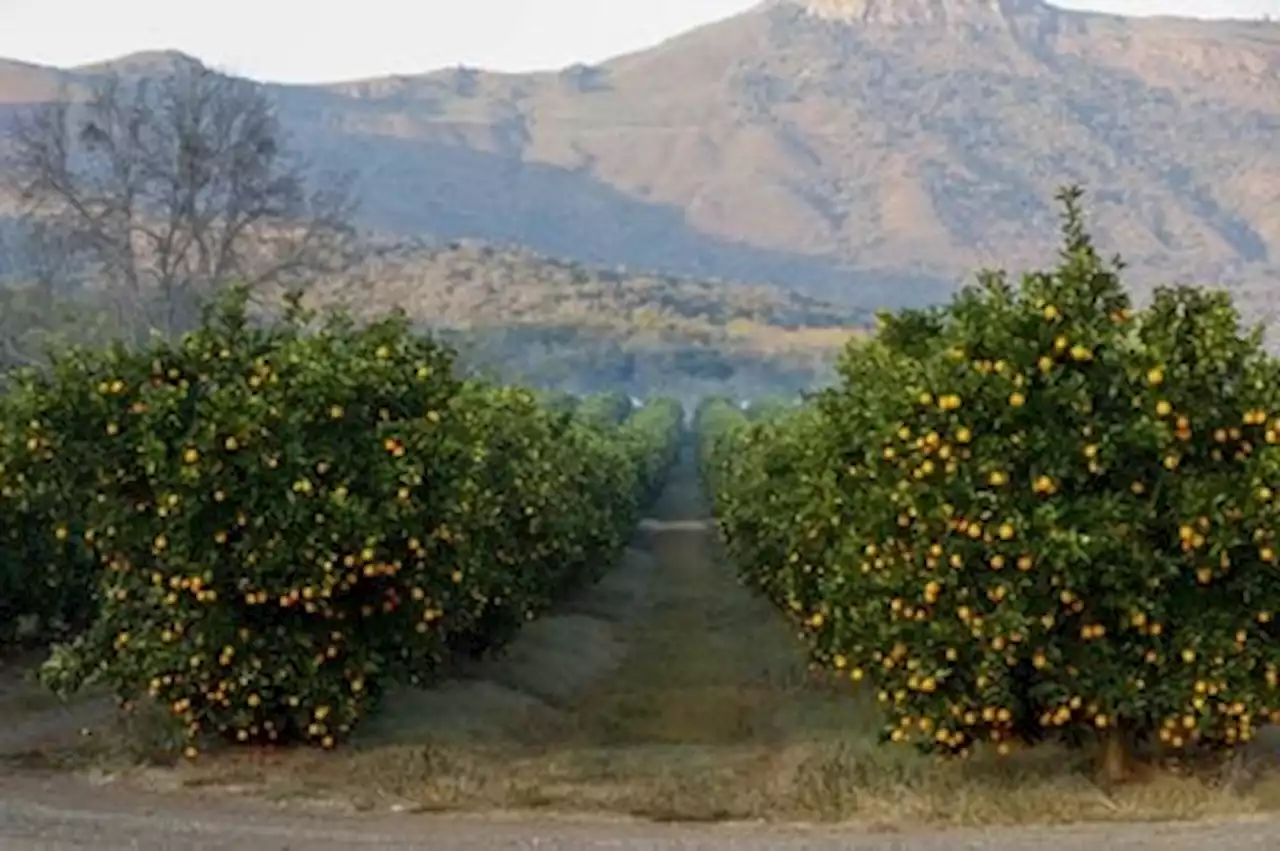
[
  {"x": 33, "y": 270},
  {"x": 164, "y": 189}
]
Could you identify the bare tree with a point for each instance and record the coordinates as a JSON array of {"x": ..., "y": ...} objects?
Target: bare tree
[
  {"x": 164, "y": 189},
  {"x": 33, "y": 270}
]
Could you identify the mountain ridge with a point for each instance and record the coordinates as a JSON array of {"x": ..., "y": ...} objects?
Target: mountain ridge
[
  {"x": 876, "y": 153},
  {"x": 916, "y": 12}
]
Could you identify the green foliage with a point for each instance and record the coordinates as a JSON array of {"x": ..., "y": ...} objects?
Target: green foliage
[
  {"x": 34, "y": 322},
  {"x": 714, "y": 423},
  {"x": 542, "y": 502},
  {"x": 914, "y": 332},
  {"x": 766, "y": 480},
  {"x": 283, "y": 522},
  {"x": 654, "y": 433},
  {"x": 558, "y": 400},
  {"x": 47, "y": 574},
  {"x": 605, "y": 409},
  {"x": 1056, "y": 518},
  {"x": 768, "y": 408}
]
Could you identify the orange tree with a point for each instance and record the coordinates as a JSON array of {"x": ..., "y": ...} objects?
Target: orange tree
[
  {"x": 1056, "y": 515},
  {"x": 611, "y": 408},
  {"x": 716, "y": 422},
  {"x": 287, "y": 520},
  {"x": 47, "y": 574},
  {"x": 653, "y": 433},
  {"x": 767, "y": 408},
  {"x": 255, "y": 497},
  {"x": 772, "y": 494},
  {"x": 544, "y": 502}
]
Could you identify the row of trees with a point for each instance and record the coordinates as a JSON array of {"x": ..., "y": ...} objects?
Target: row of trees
[
  {"x": 259, "y": 527},
  {"x": 1036, "y": 512}
]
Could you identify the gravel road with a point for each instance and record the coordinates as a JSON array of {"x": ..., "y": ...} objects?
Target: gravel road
[{"x": 63, "y": 813}]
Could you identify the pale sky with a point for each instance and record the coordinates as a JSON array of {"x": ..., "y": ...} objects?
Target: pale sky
[{"x": 300, "y": 41}]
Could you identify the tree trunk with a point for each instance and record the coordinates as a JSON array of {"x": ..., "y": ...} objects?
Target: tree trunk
[{"x": 1115, "y": 760}]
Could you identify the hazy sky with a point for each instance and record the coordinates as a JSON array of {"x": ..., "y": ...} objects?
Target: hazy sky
[{"x": 295, "y": 40}]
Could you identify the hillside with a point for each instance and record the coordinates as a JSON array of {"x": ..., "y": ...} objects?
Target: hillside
[
  {"x": 468, "y": 284},
  {"x": 567, "y": 324},
  {"x": 870, "y": 151},
  {"x": 548, "y": 321}
]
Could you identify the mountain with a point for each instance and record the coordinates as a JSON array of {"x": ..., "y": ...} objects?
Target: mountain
[{"x": 875, "y": 152}]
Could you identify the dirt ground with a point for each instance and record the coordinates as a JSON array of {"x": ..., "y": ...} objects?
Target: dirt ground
[
  {"x": 61, "y": 814},
  {"x": 665, "y": 693}
]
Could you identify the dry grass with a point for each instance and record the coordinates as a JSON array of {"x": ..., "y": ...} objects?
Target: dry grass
[
  {"x": 671, "y": 693},
  {"x": 33, "y": 721}
]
